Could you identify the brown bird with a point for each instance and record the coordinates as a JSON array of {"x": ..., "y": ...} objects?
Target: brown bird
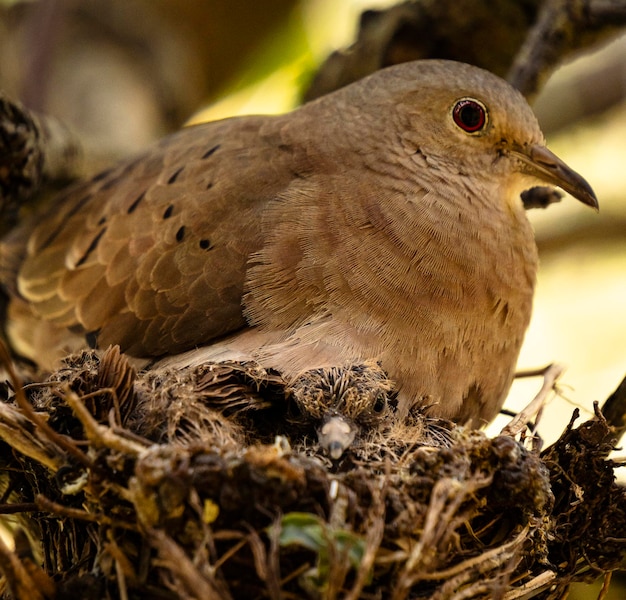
[{"x": 380, "y": 222}]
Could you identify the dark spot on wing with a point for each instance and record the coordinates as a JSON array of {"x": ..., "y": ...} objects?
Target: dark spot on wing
[
  {"x": 175, "y": 175},
  {"x": 80, "y": 204},
  {"x": 135, "y": 204},
  {"x": 205, "y": 244},
  {"x": 102, "y": 175},
  {"x": 113, "y": 181},
  {"x": 92, "y": 247},
  {"x": 122, "y": 173},
  {"x": 180, "y": 234},
  {"x": 168, "y": 211},
  {"x": 211, "y": 151}
]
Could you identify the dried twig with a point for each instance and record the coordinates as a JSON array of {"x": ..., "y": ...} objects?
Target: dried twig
[
  {"x": 530, "y": 588},
  {"x": 102, "y": 435},
  {"x": 187, "y": 577},
  {"x": 614, "y": 409},
  {"x": 550, "y": 375},
  {"x": 20, "y": 581}
]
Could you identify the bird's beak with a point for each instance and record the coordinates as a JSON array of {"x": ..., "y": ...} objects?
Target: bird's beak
[
  {"x": 539, "y": 162},
  {"x": 336, "y": 434}
]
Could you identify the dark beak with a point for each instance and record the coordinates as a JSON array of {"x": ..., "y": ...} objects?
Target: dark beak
[{"x": 539, "y": 162}]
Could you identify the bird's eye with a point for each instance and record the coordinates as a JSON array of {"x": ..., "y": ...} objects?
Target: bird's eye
[
  {"x": 380, "y": 404},
  {"x": 470, "y": 115}
]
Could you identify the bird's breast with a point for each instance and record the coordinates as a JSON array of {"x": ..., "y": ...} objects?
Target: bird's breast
[{"x": 438, "y": 292}]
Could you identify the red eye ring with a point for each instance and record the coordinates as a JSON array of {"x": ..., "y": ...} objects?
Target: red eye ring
[{"x": 470, "y": 115}]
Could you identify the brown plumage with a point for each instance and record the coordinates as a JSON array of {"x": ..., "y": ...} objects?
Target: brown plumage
[{"x": 380, "y": 222}]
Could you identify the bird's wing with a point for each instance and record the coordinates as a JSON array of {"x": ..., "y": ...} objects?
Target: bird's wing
[{"x": 152, "y": 254}]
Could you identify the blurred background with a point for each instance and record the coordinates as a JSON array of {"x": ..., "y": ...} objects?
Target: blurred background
[{"x": 122, "y": 73}]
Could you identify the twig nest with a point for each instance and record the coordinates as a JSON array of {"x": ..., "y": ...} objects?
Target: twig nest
[{"x": 155, "y": 485}]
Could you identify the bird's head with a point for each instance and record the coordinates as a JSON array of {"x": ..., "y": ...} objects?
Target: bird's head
[
  {"x": 341, "y": 402},
  {"x": 466, "y": 124}
]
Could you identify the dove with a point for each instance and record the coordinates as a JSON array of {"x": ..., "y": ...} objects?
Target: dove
[{"x": 379, "y": 223}]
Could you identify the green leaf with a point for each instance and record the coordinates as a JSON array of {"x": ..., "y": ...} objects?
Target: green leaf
[{"x": 313, "y": 533}]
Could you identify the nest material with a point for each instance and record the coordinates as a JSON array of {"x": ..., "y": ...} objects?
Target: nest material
[{"x": 208, "y": 483}]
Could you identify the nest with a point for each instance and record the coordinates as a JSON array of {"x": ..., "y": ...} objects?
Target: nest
[{"x": 210, "y": 483}]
